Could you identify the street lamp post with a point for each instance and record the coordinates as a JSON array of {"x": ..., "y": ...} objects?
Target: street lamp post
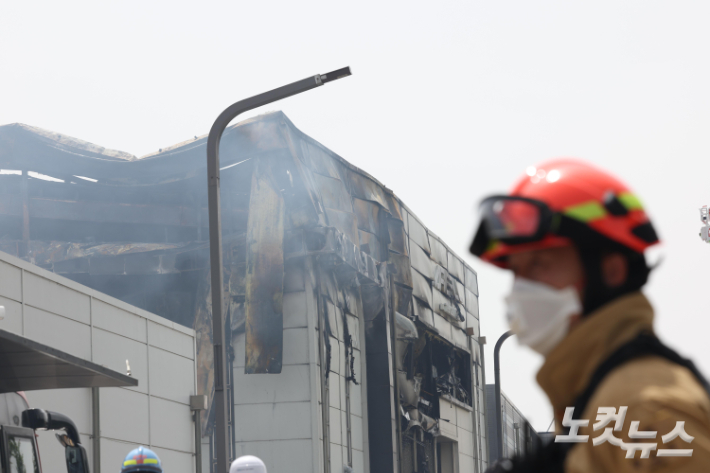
[
  {"x": 499, "y": 400},
  {"x": 213, "y": 140}
]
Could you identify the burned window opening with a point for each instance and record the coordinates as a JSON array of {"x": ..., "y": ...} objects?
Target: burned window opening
[{"x": 451, "y": 371}]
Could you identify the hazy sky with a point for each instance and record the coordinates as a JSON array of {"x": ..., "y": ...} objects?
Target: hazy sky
[{"x": 449, "y": 101}]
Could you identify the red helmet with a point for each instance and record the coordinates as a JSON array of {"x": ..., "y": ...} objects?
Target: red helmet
[{"x": 554, "y": 197}]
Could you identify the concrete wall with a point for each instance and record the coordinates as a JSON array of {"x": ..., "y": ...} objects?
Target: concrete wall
[{"x": 60, "y": 313}]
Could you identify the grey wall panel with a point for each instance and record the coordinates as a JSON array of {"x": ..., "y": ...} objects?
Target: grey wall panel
[
  {"x": 465, "y": 462},
  {"x": 291, "y": 385},
  {"x": 239, "y": 347},
  {"x": 471, "y": 280},
  {"x": 336, "y": 426},
  {"x": 358, "y": 461},
  {"x": 53, "y": 297},
  {"x": 334, "y": 355},
  {"x": 438, "y": 251},
  {"x": 13, "y": 315},
  {"x": 295, "y": 346},
  {"x": 125, "y": 415},
  {"x": 274, "y": 421},
  {"x": 333, "y": 193},
  {"x": 424, "y": 314},
  {"x": 459, "y": 337},
  {"x": 171, "y": 340},
  {"x": 171, "y": 425},
  {"x": 10, "y": 282},
  {"x": 356, "y": 392},
  {"x": 438, "y": 302},
  {"x": 472, "y": 303},
  {"x": 113, "y": 331},
  {"x": 465, "y": 441},
  {"x": 356, "y": 427},
  {"x": 112, "y": 351},
  {"x": 294, "y": 310},
  {"x": 465, "y": 421},
  {"x": 455, "y": 267},
  {"x": 294, "y": 277},
  {"x": 418, "y": 234},
  {"x": 118, "y": 321},
  {"x": 343, "y": 395},
  {"x": 421, "y": 288},
  {"x": 75, "y": 403},
  {"x": 443, "y": 327},
  {"x": 334, "y": 391},
  {"x": 113, "y": 452},
  {"x": 175, "y": 462},
  {"x": 336, "y": 457},
  {"x": 472, "y": 322},
  {"x": 52, "y": 453},
  {"x": 58, "y": 332},
  {"x": 168, "y": 375},
  {"x": 420, "y": 260},
  {"x": 281, "y": 455}
]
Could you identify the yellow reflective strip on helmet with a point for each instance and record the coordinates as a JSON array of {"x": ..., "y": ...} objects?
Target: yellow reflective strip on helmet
[
  {"x": 129, "y": 462},
  {"x": 630, "y": 201},
  {"x": 586, "y": 212},
  {"x": 151, "y": 460},
  {"x": 492, "y": 245}
]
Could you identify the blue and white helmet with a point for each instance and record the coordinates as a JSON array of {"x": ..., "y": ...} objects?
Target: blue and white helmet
[{"x": 142, "y": 459}]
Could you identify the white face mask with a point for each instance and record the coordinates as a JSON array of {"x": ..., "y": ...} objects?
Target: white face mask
[{"x": 539, "y": 314}]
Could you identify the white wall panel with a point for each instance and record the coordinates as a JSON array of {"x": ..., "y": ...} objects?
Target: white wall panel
[
  {"x": 171, "y": 425},
  {"x": 336, "y": 429},
  {"x": 294, "y": 309},
  {"x": 10, "y": 282},
  {"x": 465, "y": 462},
  {"x": 88, "y": 324},
  {"x": 13, "y": 316},
  {"x": 288, "y": 456},
  {"x": 53, "y": 297},
  {"x": 58, "y": 332},
  {"x": 112, "y": 454},
  {"x": 171, "y": 340},
  {"x": 280, "y": 421},
  {"x": 112, "y": 351},
  {"x": 124, "y": 415},
  {"x": 295, "y": 346},
  {"x": 175, "y": 462},
  {"x": 74, "y": 403},
  {"x": 118, "y": 321},
  {"x": 292, "y": 384},
  {"x": 170, "y": 375},
  {"x": 465, "y": 441}
]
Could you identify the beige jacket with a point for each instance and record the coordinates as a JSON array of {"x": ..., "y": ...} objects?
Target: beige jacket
[{"x": 657, "y": 392}]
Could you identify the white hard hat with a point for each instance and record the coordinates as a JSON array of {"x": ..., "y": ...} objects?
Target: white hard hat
[{"x": 247, "y": 463}]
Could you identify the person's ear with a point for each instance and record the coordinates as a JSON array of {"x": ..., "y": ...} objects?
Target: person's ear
[{"x": 615, "y": 270}]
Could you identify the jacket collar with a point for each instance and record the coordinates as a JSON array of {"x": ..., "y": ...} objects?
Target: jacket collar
[{"x": 570, "y": 365}]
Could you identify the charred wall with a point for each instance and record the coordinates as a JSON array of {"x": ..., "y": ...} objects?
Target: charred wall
[{"x": 136, "y": 229}]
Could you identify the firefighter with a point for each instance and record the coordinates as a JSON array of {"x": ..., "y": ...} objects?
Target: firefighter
[
  {"x": 247, "y": 463},
  {"x": 142, "y": 460},
  {"x": 574, "y": 237}
]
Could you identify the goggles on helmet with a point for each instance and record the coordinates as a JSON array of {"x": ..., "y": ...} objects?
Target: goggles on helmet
[{"x": 512, "y": 220}]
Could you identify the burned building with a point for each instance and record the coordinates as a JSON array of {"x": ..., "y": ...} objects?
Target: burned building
[{"x": 354, "y": 329}]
